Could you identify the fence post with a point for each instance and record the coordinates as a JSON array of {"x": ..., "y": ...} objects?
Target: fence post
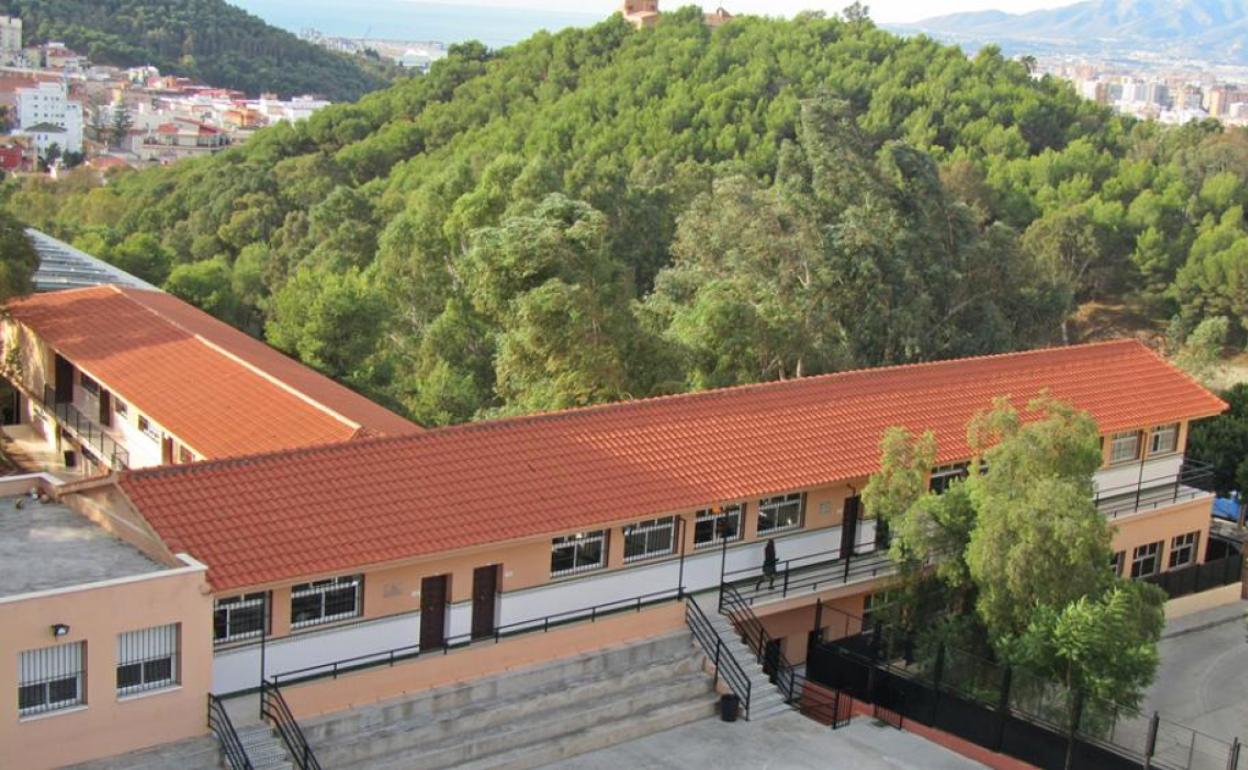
[
  {"x": 1003, "y": 707},
  {"x": 718, "y": 643},
  {"x": 938, "y": 673},
  {"x": 1150, "y": 741},
  {"x": 1076, "y": 715},
  {"x": 1232, "y": 757}
]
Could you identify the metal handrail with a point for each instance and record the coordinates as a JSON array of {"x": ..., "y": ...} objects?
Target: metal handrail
[
  {"x": 866, "y": 562},
  {"x": 734, "y": 607},
  {"x": 219, "y": 723},
  {"x": 720, "y": 654},
  {"x": 1193, "y": 480},
  {"x": 541, "y": 624},
  {"x": 87, "y": 429},
  {"x": 273, "y": 706}
]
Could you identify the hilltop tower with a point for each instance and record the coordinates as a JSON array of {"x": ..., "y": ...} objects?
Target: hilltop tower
[{"x": 642, "y": 13}]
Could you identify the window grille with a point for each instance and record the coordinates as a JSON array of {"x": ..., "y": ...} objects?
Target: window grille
[
  {"x": 239, "y": 617},
  {"x": 147, "y": 659},
  {"x": 581, "y": 552},
  {"x": 776, "y": 514},
  {"x": 650, "y": 539},
  {"x": 50, "y": 678},
  {"x": 324, "y": 601},
  {"x": 707, "y": 526}
]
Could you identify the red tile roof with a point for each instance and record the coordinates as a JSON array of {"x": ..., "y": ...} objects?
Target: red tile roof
[
  {"x": 338, "y": 508},
  {"x": 215, "y": 388}
]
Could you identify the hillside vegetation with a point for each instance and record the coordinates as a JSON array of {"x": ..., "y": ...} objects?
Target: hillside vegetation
[
  {"x": 605, "y": 213},
  {"x": 208, "y": 40}
]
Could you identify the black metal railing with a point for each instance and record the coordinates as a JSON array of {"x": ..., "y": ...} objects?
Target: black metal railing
[
  {"x": 820, "y": 703},
  {"x": 805, "y": 574},
  {"x": 87, "y": 430},
  {"x": 273, "y": 707},
  {"x": 727, "y": 667},
  {"x": 591, "y": 614},
  {"x": 221, "y": 726},
  {"x": 1147, "y": 493}
]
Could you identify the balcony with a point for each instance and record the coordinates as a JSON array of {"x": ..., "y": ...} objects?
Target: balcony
[
  {"x": 811, "y": 574},
  {"x": 87, "y": 431},
  {"x": 1149, "y": 493}
]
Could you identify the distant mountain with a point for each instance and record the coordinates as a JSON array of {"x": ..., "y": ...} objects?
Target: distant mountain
[
  {"x": 1215, "y": 30},
  {"x": 208, "y": 40}
]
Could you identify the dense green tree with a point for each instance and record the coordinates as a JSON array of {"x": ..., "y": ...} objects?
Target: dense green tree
[
  {"x": 18, "y": 259},
  {"x": 1222, "y": 442}
]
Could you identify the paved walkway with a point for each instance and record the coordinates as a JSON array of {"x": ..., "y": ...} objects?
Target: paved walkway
[
  {"x": 785, "y": 741},
  {"x": 1204, "y": 668}
]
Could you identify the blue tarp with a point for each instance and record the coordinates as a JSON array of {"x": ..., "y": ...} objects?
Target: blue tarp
[{"x": 1226, "y": 508}]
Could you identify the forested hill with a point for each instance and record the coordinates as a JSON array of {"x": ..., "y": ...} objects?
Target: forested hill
[
  {"x": 609, "y": 213},
  {"x": 209, "y": 40}
]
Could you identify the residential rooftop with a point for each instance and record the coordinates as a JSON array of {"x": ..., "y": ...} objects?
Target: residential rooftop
[
  {"x": 313, "y": 511},
  {"x": 45, "y": 545}
]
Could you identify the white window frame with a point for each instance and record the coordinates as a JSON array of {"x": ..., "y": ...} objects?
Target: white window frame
[
  {"x": 734, "y": 512},
  {"x": 39, "y": 670},
  {"x": 1117, "y": 562},
  {"x": 153, "y": 653},
  {"x": 1172, "y": 432},
  {"x": 777, "y": 504},
  {"x": 1186, "y": 544},
  {"x": 321, "y": 589},
  {"x": 147, "y": 428},
  {"x": 228, "y": 605},
  {"x": 646, "y": 532},
  {"x": 1116, "y": 439},
  {"x": 576, "y": 541},
  {"x": 120, "y": 407},
  {"x": 1143, "y": 553}
]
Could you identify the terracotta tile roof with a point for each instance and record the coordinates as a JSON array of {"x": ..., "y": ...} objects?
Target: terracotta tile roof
[
  {"x": 338, "y": 508},
  {"x": 218, "y": 390}
]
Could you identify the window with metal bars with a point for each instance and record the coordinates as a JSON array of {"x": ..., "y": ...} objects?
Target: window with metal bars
[
  {"x": 945, "y": 475},
  {"x": 715, "y": 525},
  {"x": 147, "y": 659},
  {"x": 239, "y": 617},
  {"x": 650, "y": 539},
  {"x": 1183, "y": 549},
  {"x": 581, "y": 552},
  {"x": 50, "y": 678},
  {"x": 323, "y": 601},
  {"x": 779, "y": 513},
  {"x": 1144, "y": 560}
]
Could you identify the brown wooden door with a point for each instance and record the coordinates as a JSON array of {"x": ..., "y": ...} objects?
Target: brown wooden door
[
  {"x": 484, "y": 600},
  {"x": 64, "y": 385},
  {"x": 433, "y": 595},
  {"x": 106, "y": 408},
  {"x": 849, "y": 525},
  {"x": 166, "y": 451}
]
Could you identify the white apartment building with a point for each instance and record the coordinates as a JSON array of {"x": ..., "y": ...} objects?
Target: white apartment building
[
  {"x": 49, "y": 104},
  {"x": 10, "y": 37}
]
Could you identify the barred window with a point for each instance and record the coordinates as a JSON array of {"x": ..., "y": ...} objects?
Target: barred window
[
  {"x": 582, "y": 552},
  {"x": 1117, "y": 561},
  {"x": 649, "y": 539},
  {"x": 147, "y": 429},
  {"x": 50, "y": 678},
  {"x": 88, "y": 384},
  {"x": 324, "y": 601},
  {"x": 1183, "y": 549},
  {"x": 1124, "y": 447},
  {"x": 779, "y": 513},
  {"x": 239, "y": 617},
  {"x": 1144, "y": 560},
  {"x": 1165, "y": 439},
  {"x": 715, "y": 525},
  {"x": 147, "y": 659},
  {"x": 945, "y": 475}
]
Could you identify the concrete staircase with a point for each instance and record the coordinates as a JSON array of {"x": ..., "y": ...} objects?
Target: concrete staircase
[
  {"x": 264, "y": 748},
  {"x": 765, "y": 698},
  {"x": 524, "y": 718}
]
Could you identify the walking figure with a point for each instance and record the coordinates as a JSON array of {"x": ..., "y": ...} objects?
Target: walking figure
[{"x": 769, "y": 566}]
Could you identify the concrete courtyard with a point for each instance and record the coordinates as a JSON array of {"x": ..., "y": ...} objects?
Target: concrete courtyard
[
  {"x": 1203, "y": 676},
  {"x": 785, "y": 741}
]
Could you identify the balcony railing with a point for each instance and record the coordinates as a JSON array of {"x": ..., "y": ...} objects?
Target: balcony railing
[
  {"x": 807, "y": 574},
  {"x": 1149, "y": 493},
  {"x": 87, "y": 430}
]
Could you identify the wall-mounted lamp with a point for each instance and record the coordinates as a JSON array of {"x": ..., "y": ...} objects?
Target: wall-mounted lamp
[{"x": 59, "y": 629}]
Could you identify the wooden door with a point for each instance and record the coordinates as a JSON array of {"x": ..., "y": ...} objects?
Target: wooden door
[
  {"x": 106, "y": 408},
  {"x": 433, "y": 596},
  {"x": 64, "y": 385},
  {"x": 849, "y": 525},
  {"x": 166, "y": 451},
  {"x": 484, "y": 600}
]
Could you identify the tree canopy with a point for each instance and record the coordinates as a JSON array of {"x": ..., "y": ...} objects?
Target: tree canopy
[
  {"x": 18, "y": 259},
  {"x": 608, "y": 213}
]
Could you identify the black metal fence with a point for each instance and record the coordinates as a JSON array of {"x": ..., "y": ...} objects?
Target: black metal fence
[
  {"x": 806, "y": 574},
  {"x": 273, "y": 707},
  {"x": 88, "y": 431},
  {"x": 1005, "y": 709},
  {"x": 221, "y": 726},
  {"x": 1148, "y": 492},
  {"x": 1200, "y": 577},
  {"x": 727, "y": 667}
]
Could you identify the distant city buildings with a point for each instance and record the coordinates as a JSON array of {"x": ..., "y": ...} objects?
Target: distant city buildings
[
  {"x": 1173, "y": 96},
  {"x": 411, "y": 54},
  {"x": 57, "y": 103},
  {"x": 645, "y": 13}
]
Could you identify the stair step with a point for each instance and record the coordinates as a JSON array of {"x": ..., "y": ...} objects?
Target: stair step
[
  {"x": 484, "y": 716},
  {"x": 545, "y": 727},
  {"x": 597, "y": 737}
]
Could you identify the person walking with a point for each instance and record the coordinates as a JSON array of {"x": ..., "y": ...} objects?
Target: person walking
[{"x": 769, "y": 566}]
